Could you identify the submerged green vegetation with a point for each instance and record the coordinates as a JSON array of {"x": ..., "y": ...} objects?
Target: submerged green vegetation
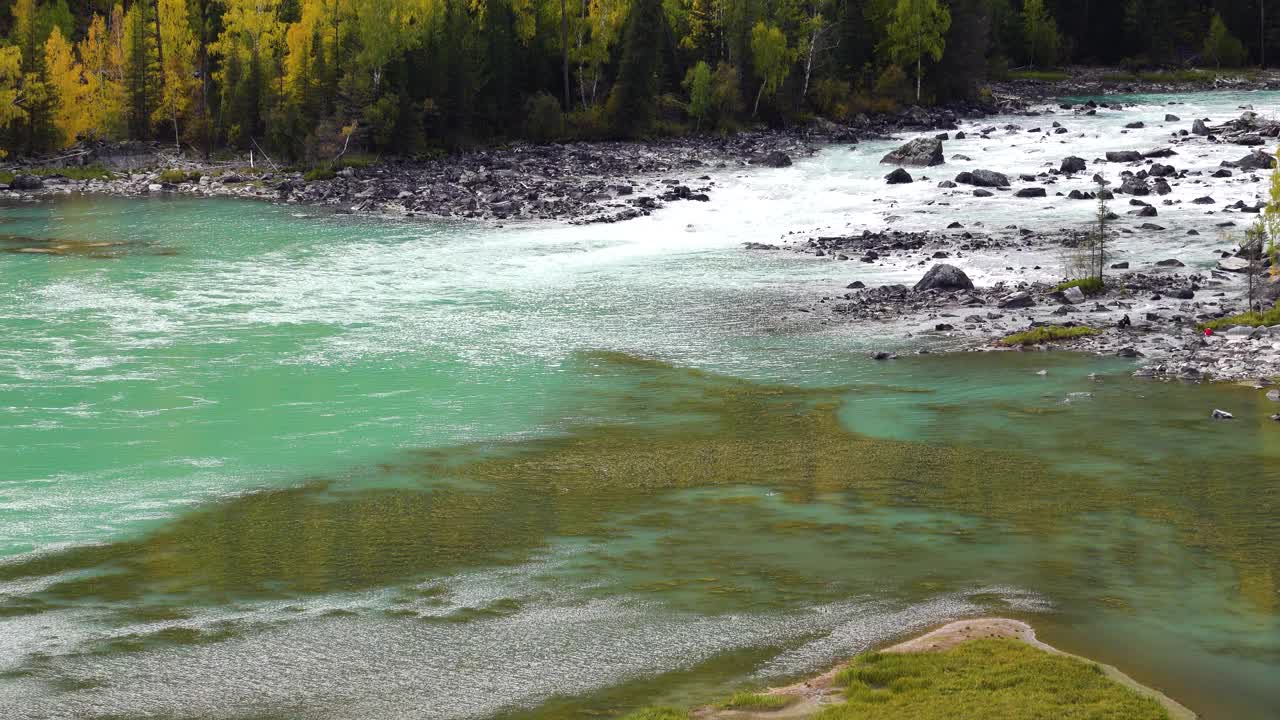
[
  {"x": 658, "y": 713},
  {"x": 985, "y": 679},
  {"x": 1051, "y": 333},
  {"x": 437, "y": 512}
]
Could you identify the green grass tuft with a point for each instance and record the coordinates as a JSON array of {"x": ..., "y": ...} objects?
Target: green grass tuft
[
  {"x": 319, "y": 173},
  {"x": 178, "y": 176},
  {"x": 1249, "y": 319},
  {"x": 985, "y": 679},
  {"x": 757, "y": 701},
  {"x": 88, "y": 172},
  {"x": 1180, "y": 77},
  {"x": 1051, "y": 333},
  {"x": 1041, "y": 75},
  {"x": 658, "y": 713},
  {"x": 1088, "y": 286}
]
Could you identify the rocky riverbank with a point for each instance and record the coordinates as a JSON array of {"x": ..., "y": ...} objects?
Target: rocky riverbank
[
  {"x": 580, "y": 182},
  {"x": 1153, "y": 303},
  {"x": 1098, "y": 81},
  {"x": 1148, "y": 312}
]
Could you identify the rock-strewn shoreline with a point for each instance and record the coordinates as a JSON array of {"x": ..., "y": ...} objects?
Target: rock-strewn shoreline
[
  {"x": 1094, "y": 81},
  {"x": 1148, "y": 312},
  {"x": 578, "y": 182}
]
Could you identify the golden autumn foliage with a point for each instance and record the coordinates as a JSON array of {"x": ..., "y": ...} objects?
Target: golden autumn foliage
[{"x": 73, "y": 114}]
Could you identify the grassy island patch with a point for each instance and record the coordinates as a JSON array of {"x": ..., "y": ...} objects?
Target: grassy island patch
[
  {"x": 1249, "y": 319},
  {"x": 1051, "y": 333},
  {"x": 985, "y": 679}
]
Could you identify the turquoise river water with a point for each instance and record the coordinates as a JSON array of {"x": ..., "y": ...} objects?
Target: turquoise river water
[{"x": 265, "y": 462}]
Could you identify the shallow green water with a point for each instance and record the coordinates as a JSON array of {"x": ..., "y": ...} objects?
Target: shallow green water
[{"x": 262, "y": 464}]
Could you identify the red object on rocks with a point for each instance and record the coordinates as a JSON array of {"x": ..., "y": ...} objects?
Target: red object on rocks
[{"x": 1208, "y": 332}]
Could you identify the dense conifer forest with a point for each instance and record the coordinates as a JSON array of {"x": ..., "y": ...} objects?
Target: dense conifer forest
[{"x": 310, "y": 79}]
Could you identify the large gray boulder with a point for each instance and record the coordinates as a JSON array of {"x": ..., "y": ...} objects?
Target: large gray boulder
[
  {"x": 944, "y": 277},
  {"x": 1134, "y": 185},
  {"x": 1233, "y": 264},
  {"x": 1199, "y": 128},
  {"x": 921, "y": 152},
  {"x": 1124, "y": 156},
  {"x": 26, "y": 182},
  {"x": 1073, "y": 165},
  {"x": 775, "y": 159},
  {"x": 1256, "y": 160},
  {"x": 1020, "y": 299},
  {"x": 983, "y": 178}
]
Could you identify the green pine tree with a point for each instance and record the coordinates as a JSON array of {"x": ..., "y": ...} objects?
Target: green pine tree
[{"x": 631, "y": 104}]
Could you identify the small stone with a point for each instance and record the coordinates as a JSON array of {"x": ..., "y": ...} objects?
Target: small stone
[
  {"x": 1222, "y": 415},
  {"x": 1020, "y": 299}
]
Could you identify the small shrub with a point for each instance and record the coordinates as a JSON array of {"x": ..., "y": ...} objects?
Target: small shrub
[
  {"x": 1089, "y": 286},
  {"x": 1052, "y": 333},
  {"x": 831, "y": 97},
  {"x": 177, "y": 177},
  {"x": 319, "y": 173},
  {"x": 588, "y": 124},
  {"x": 893, "y": 83},
  {"x": 863, "y": 103},
  {"x": 757, "y": 702},
  {"x": 1221, "y": 47},
  {"x": 544, "y": 120}
]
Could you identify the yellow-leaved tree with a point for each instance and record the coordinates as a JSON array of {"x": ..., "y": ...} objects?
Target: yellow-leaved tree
[
  {"x": 102, "y": 67},
  {"x": 11, "y": 109},
  {"x": 73, "y": 114},
  {"x": 179, "y": 67}
]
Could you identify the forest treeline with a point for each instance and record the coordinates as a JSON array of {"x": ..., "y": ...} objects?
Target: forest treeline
[{"x": 310, "y": 79}]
